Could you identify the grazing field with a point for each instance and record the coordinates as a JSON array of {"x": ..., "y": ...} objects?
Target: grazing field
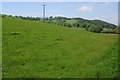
[
  {"x": 71, "y": 21},
  {"x": 34, "y": 49}
]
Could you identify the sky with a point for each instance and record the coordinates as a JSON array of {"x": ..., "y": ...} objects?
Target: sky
[
  {"x": 60, "y": 0},
  {"x": 106, "y": 11}
]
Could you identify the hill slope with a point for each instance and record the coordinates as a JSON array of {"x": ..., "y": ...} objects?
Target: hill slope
[
  {"x": 75, "y": 21},
  {"x": 37, "y": 49}
]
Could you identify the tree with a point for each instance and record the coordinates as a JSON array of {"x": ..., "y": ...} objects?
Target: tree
[
  {"x": 96, "y": 29},
  {"x": 50, "y": 17},
  {"x": 4, "y": 15},
  {"x": 83, "y": 25},
  {"x": 77, "y": 25},
  {"x": 87, "y": 27},
  {"x": 68, "y": 25}
]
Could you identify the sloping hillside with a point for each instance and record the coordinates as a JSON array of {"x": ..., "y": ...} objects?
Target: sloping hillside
[{"x": 38, "y": 50}]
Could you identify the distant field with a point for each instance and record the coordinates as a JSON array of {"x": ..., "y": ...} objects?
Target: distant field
[
  {"x": 67, "y": 21},
  {"x": 71, "y": 21},
  {"x": 33, "y": 49}
]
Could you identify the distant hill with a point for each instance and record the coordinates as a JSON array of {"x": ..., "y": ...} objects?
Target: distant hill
[
  {"x": 102, "y": 23},
  {"x": 91, "y": 22}
]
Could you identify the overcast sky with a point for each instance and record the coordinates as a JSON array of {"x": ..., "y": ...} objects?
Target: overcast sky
[{"x": 107, "y": 11}]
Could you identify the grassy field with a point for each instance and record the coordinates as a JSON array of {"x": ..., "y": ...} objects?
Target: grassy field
[
  {"x": 0, "y": 48},
  {"x": 36, "y": 49},
  {"x": 71, "y": 21}
]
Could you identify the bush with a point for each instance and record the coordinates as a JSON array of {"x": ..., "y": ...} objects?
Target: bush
[
  {"x": 108, "y": 31},
  {"x": 69, "y": 25},
  {"x": 117, "y": 30},
  {"x": 83, "y": 25},
  {"x": 87, "y": 27},
  {"x": 3, "y": 15},
  {"x": 96, "y": 29}
]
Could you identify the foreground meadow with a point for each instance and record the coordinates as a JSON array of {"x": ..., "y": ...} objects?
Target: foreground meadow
[{"x": 33, "y": 49}]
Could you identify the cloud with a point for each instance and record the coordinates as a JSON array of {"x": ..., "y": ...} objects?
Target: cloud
[{"x": 86, "y": 8}]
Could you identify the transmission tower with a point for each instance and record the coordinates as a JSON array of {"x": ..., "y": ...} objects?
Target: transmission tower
[{"x": 44, "y": 12}]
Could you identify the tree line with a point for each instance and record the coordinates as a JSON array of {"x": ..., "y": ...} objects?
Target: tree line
[{"x": 97, "y": 26}]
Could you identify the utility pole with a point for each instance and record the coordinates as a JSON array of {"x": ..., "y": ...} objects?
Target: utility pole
[{"x": 44, "y": 12}]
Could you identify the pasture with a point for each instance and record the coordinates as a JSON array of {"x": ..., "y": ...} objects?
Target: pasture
[{"x": 34, "y": 49}]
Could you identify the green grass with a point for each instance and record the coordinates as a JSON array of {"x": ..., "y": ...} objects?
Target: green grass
[
  {"x": 36, "y": 49},
  {"x": 0, "y": 47}
]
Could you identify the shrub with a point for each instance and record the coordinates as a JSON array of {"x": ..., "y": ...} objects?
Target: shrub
[
  {"x": 96, "y": 29},
  {"x": 117, "y": 30},
  {"x": 69, "y": 25},
  {"x": 83, "y": 25},
  {"x": 108, "y": 31},
  {"x": 87, "y": 27}
]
